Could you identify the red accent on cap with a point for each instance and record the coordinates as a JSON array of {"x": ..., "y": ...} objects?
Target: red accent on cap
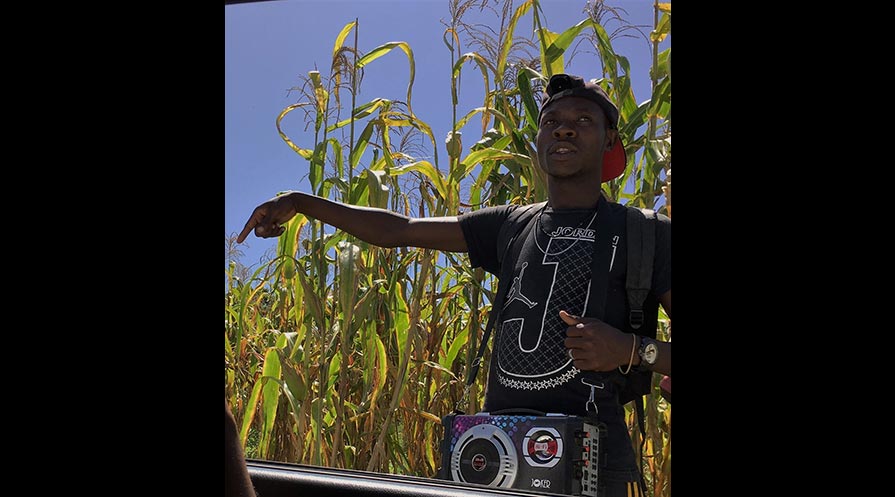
[{"x": 614, "y": 161}]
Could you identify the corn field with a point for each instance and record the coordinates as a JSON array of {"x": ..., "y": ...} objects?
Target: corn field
[{"x": 347, "y": 355}]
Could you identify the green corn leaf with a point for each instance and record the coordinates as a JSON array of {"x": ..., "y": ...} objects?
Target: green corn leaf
[
  {"x": 315, "y": 172},
  {"x": 607, "y": 54},
  {"x": 334, "y": 369},
  {"x": 661, "y": 107},
  {"x": 293, "y": 381},
  {"x": 340, "y": 39},
  {"x": 559, "y": 44},
  {"x": 362, "y": 112},
  {"x": 269, "y": 398},
  {"x": 428, "y": 170},
  {"x": 287, "y": 245},
  {"x": 350, "y": 268},
  {"x": 635, "y": 120},
  {"x": 484, "y": 66},
  {"x": 661, "y": 69},
  {"x": 474, "y": 158},
  {"x": 321, "y": 96},
  {"x": 659, "y": 34},
  {"x": 400, "y": 321},
  {"x": 457, "y": 344},
  {"x": 381, "y": 367},
  {"x": 337, "y": 155},
  {"x": 249, "y": 412},
  {"x": 378, "y": 196},
  {"x": 360, "y": 146},
  {"x": 312, "y": 301},
  {"x": 305, "y": 153},
  {"x": 529, "y": 103},
  {"x": 386, "y": 48},
  {"x": 552, "y": 60},
  {"x": 508, "y": 41}
]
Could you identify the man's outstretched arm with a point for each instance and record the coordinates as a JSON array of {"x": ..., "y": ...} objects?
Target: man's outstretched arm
[{"x": 380, "y": 227}]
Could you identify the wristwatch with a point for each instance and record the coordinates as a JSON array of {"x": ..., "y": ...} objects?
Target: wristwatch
[{"x": 649, "y": 352}]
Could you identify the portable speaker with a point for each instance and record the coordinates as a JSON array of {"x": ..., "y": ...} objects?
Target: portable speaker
[{"x": 553, "y": 453}]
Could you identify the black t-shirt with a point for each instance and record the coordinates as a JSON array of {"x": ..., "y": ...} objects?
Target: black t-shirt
[{"x": 530, "y": 367}]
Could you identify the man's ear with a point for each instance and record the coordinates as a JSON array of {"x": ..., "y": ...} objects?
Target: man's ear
[{"x": 611, "y": 138}]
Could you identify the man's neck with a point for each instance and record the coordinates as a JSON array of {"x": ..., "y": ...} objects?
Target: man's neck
[{"x": 565, "y": 195}]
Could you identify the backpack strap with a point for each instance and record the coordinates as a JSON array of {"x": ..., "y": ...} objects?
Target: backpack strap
[
  {"x": 517, "y": 226},
  {"x": 641, "y": 250}
]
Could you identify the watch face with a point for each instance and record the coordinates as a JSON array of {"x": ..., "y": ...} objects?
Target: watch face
[{"x": 650, "y": 352}]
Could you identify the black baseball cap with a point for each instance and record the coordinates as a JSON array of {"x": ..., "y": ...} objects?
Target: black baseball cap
[{"x": 565, "y": 85}]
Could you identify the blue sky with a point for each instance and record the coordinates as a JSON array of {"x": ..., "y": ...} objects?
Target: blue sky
[{"x": 270, "y": 45}]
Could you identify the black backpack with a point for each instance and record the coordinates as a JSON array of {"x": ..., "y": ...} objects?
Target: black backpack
[{"x": 641, "y": 241}]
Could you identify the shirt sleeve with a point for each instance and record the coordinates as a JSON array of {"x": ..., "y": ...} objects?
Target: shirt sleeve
[{"x": 481, "y": 229}]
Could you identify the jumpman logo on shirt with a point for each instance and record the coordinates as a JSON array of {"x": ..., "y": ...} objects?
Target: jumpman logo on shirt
[{"x": 515, "y": 292}]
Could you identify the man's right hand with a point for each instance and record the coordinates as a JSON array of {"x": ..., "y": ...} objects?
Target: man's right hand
[{"x": 268, "y": 218}]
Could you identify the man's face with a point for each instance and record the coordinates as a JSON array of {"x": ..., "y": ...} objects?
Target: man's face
[{"x": 572, "y": 137}]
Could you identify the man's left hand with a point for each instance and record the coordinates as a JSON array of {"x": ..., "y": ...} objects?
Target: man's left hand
[{"x": 597, "y": 346}]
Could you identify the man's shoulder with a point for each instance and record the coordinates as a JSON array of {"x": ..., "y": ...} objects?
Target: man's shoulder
[
  {"x": 502, "y": 210},
  {"x": 624, "y": 208}
]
